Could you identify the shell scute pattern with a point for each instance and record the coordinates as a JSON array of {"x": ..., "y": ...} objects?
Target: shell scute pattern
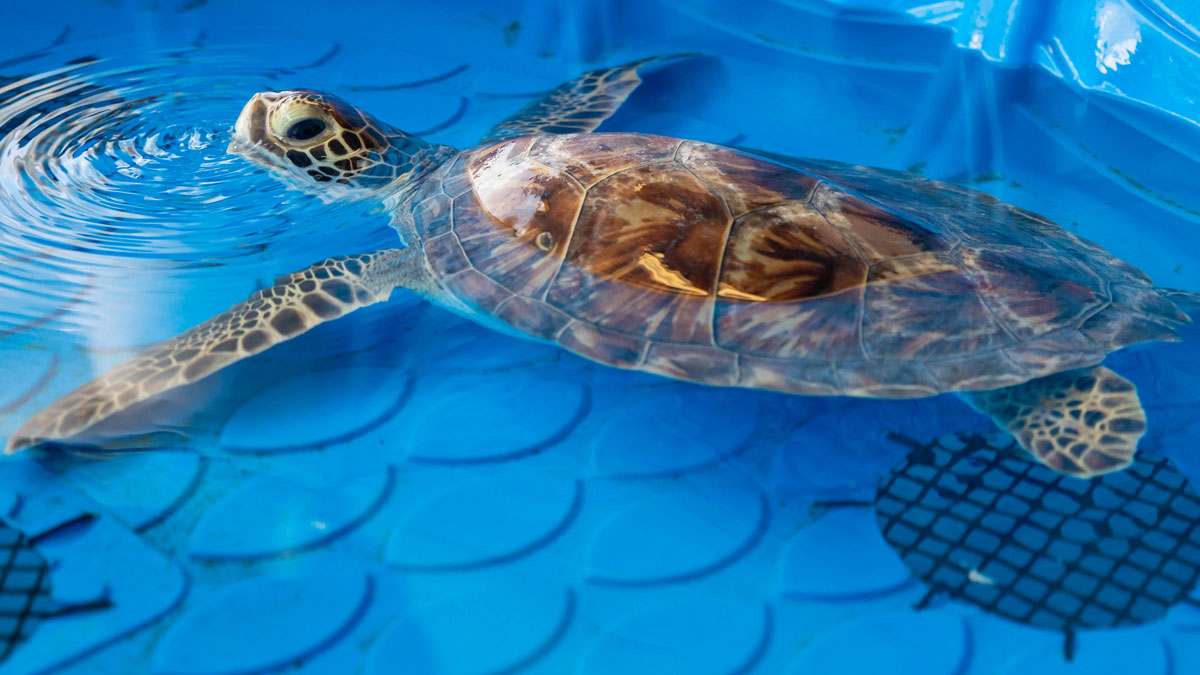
[
  {"x": 903, "y": 314},
  {"x": 482, "y": 290},
  {"x": 454, "y": 180},
  {"x": 813, "y": 377},
  {"x": 1148, "y": 301},
  {"x": 1032, "y": 292},
  {"x": 744, "y": 183},
  {"x": 643, "y": 259},
  {"x": 533, "y": 316},
  {"x": 823, "y": 327},
  {"x": 605, "y": 346},
  {"x": 446, "y": 256},
  {"x": 1119, "y": 326},
  {"x": 697, "y": 363},
  {"x": 437, "y": 209},
  {"x": 710, "y": 264},
  {"x": 879, "y": 234},
  {"x": 786, "y": 251},
  {"x": 1063, "y": 349},
  {"x": 544, "y": 210},
  {"x": 954, "y": 211},
  {"x": 887, "y": 379},
  {"x": 589, "y": 158},
  {"x": 975, "y": 371}
]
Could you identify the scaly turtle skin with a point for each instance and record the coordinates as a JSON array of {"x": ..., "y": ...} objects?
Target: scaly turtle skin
[{"x": 695, "y": 261}]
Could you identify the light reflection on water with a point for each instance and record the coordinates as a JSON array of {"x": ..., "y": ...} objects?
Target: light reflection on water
[{"x": 115, "y": 181}]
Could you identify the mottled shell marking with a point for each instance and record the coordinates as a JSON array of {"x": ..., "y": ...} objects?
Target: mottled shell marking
[{"x": 705, "y": 263}]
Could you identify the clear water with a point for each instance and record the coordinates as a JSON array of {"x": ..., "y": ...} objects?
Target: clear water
[{"x": 402, "y": 487}]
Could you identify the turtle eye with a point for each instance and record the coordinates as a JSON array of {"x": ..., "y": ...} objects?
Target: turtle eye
[{"x": 305, "y": 129}]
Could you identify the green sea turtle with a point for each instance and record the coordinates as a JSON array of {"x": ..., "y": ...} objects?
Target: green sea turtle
[{"x": 695, "y": 261}]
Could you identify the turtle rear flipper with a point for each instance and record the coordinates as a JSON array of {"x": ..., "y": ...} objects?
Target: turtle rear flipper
[
  {"x": 293, "y": 305},
  {"x": 578, "y": 106},
  {"x": 1082, "y": 422}
]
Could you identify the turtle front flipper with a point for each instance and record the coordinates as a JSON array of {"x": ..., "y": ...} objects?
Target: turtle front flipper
[
  {"x": 1082, "y": 422},
  {"x": 293, "y": 305},
  {"x": 578, "y": 106}
]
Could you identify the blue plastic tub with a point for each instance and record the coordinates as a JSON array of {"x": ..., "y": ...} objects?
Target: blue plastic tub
[{"x": 404, "y": 491}]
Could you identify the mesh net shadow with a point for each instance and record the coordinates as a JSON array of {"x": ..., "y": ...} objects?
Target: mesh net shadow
[
  {"x": 983, "y": 525},
  {"x": 24, "y": 590}
]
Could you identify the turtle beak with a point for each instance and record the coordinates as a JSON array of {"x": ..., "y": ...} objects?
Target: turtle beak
[{"x": 251, "y": 127}]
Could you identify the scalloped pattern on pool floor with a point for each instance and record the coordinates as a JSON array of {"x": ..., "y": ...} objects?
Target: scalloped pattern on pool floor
[{"x": 603, "y": 537}]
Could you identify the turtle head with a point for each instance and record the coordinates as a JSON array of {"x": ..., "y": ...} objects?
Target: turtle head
[{"x": 325, "y": 141}]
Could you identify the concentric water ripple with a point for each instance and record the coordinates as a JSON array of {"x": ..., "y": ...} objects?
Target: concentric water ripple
[{"x": 114, "y": 176}]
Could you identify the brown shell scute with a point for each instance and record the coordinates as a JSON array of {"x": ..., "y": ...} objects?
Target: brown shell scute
[
  {"x": 712, "y": 265},
  {"x": 743, "y": 182},
  {"x": 824, "y": 327},
  {"x": 650, "y": 251},
  {"x": 787, "y": 252},
  {"x": 1032, "y": 292},
  {"x": 590, "y": 158},
  {"x": 904, "y": 316},
  {"x": 513, "y": 204},
  {"x": 653, "y": 227},
  {"x": 879, "y": 234}
]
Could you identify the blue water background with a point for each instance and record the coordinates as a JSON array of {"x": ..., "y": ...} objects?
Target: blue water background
[{"x": 404, "y": 491}]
